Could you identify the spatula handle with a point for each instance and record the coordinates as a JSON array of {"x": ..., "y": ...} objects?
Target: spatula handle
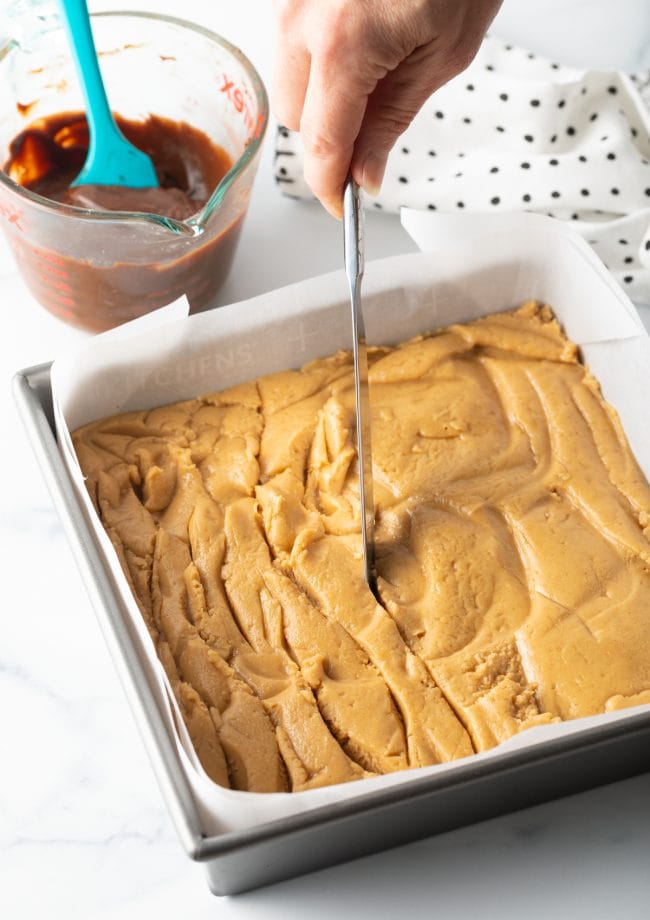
[{"x": 82, "y": 44}]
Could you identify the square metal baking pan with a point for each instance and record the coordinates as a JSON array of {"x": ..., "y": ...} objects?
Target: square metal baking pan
[{"x": 235, "y": 862}]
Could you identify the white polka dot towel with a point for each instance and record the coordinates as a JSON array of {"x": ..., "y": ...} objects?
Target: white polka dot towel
[{"x": 516, "y": 131}]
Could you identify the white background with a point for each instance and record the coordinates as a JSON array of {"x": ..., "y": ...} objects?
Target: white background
[{"x": 83, "y": 831}]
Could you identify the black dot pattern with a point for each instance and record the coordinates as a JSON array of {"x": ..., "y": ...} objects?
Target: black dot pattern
[{"x": 534, "y": 136}]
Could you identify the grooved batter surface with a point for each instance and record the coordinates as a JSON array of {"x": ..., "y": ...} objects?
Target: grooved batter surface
[{"x": 513, "y": 555}]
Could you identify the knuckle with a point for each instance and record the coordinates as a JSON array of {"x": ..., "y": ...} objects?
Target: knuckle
[
  {"x": 337, "y": 16},
  {"x": 317, "y": 144},
  {"x": 285, "y": 14},
  {"x": 461, "y": 56},
  {"x": 339, "y": 33},
  {"x": 326, "y": 51},
  {"x": 393, "y": 121}
]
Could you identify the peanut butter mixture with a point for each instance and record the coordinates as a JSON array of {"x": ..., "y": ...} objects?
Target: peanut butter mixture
[{"x": 513, "y": 541}]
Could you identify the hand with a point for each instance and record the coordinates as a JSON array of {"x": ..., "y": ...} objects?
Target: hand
[{"x": 351, "y": 75}]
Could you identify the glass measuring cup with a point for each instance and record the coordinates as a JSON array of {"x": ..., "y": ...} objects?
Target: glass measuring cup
[{"x": 97, "y": 268}]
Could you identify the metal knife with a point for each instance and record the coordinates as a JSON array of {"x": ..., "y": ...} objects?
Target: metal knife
[{"x": 354, "y": 264}]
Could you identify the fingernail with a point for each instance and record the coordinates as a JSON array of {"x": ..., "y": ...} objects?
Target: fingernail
[
  {"x": 333, "y": 204},
  {"x": 372, "y": 173}
]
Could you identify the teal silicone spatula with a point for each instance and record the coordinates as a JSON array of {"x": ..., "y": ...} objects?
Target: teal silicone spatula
[{"x": 111, "y": 159}]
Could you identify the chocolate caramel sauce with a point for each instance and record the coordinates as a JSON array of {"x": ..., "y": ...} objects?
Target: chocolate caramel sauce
[{"x": 48, "y": 155}]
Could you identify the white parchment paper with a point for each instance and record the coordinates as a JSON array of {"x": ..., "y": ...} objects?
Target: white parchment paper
[{"x": 471, "y": 267}]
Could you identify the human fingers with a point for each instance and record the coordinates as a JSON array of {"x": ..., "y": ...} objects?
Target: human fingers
[
  {"x": 330, "y": 122},
  {"x": 341, "y": 78},
  {"x": 336, "y": 51},
  {"x": 291, "y": 63},
  {"x": 400, "y": 95},
  {"x": 390, "y": 110}
]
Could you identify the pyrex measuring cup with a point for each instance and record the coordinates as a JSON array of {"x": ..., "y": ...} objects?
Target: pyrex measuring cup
[{"x": 96, "y": 268}]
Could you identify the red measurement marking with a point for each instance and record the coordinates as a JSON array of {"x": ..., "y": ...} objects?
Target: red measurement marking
[
  {"x": 48, "y": 256},
  {"x": 12, "y": 216},
  {"x": 239, "y": 101},
  {"x": 60, "y": 299},
  {"x": 259, "y": 126},
  {"x": 59, "y": 272},
  {"x": 52, "y": 283},
  {"x": 64, "y": 309}
]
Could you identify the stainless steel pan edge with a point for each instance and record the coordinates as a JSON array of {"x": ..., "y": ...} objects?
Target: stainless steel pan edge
[
  {"x": 33, "y": 396},
  {"x": 238, "y": 861}
]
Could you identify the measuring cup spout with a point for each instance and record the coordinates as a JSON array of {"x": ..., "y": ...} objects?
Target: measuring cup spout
[{"x": 190, "y": 228}]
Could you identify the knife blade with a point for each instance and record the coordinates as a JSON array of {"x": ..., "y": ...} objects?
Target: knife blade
[{"x": 354, "y": 266}]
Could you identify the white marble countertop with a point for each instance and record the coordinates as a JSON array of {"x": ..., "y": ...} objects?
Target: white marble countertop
[{"x": 83, "y": 829}]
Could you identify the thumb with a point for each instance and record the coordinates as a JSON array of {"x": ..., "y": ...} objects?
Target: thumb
[{"x": 390, "y": 110}]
